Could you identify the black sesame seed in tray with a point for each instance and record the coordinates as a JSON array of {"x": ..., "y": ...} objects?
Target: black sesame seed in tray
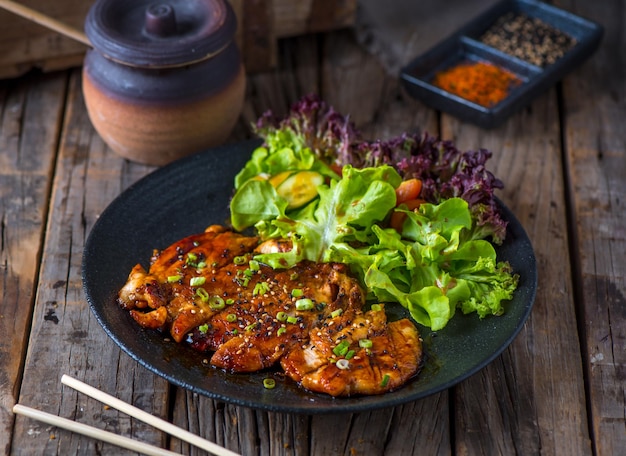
[{"x": 528, "y": 38}]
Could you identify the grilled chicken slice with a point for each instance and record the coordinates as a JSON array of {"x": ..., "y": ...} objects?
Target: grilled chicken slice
[
  {"x": 176, "y": 279},
  {"x": 356, "y": 353},
  {"x": 219, "y": 300},
  {"x": 206, "y": 290}
]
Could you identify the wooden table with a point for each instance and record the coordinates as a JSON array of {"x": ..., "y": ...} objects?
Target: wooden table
[{"x": 560, "y": 388}]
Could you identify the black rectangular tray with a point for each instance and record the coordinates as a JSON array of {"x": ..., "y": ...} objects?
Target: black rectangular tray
[{"x": 465, "y": 44}]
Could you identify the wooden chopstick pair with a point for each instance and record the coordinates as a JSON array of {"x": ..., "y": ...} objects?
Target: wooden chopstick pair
[{"x": 115, "y": 439}]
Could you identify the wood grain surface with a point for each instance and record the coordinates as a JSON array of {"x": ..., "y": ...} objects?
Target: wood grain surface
[{"x": 558, "y": 389}]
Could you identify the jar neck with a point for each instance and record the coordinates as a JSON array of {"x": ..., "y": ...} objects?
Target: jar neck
[{"x": 176, "y": 84}]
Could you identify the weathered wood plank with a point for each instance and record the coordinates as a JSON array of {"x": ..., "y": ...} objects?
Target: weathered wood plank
[
  {"x": 532, "y": 399},
  {"x": 65, "y": 338},
  {"x": 596, "y": 157},
  {"x": 30, "y": 117}
]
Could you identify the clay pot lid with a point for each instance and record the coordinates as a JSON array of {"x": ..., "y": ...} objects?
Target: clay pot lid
[{"x": 160, "y": 33}]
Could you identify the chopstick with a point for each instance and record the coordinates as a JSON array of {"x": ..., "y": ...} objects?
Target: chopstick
[
  {"x": 90, "y": 431},
  {"x": 115, "y": 439},
  {"x": 152, "y": 420}
]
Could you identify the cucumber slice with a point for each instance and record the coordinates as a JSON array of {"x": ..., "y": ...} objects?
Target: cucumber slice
[
  {"x": 299, "y": 188},
  {"x": 280, "y": 178}
]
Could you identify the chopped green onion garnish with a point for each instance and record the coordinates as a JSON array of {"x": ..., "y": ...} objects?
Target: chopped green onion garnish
[
  {"x": 192, "y": 257},
  {"x": 202, "y": 293},
  {"x": 296, "y": 292},
  {"x": 385, "y": 380},
  {"x": 281, "y": 331},
  {"x": 254, "y": 265},
  {"x": 350, "y": 354},
  {"x": 269, "y": 383},
  {"x": 231, "y": 318},
  {"x": 304, "y": 304},
  {"x": 365, "y": 343},
  {"x": 376, "y": 307},
  {"x": 201, "y": 264},
  {"x": 230, "y": 301},
  {"x": 174, "y": 278},
  {"x": 342, "y": 364},
  {"x": 341, "y": 348},
  {"x": 248, "y": 272},
  {"x": 197, "y": 281},
  {"x": 260, "y": 288},
  {"x": 293, "y": 276},
  {"x": 336, "y": 313},
  {"x": 241, "y": 279},
  {"x": 216, "y": 302},
  {"x": 281, "y": 316},
  {"x": 292, "y": 320},
  {"x": 239, "y": 260},
  {"x": 250, "y": 327},
  {"x": 203, "y": 328}
]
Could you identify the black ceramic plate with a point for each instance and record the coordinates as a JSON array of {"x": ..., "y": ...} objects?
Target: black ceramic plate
[
  {"x": 186, "y": 196},
  {"x": 465, "y": 45}
]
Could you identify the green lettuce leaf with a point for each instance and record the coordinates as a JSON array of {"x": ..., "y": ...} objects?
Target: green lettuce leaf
[{"x": 345, "y": 213}]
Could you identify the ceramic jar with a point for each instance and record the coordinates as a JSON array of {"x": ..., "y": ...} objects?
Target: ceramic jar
[{"x": 163, "y": 80}]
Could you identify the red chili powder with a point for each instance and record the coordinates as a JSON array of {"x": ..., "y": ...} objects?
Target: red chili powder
[{"x": 480, "y": 82}]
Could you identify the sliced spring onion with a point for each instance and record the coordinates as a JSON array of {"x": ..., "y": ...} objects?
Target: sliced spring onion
[
  {"x": 191, "y": 258},
  {"x": 296, "y": 292},
  {"x": 292, "y": 320},
  {"x": 336, "y": 313},
  {"x": 254, "y": 265},
  {"x": 342, "y": 364},
  {"x": 260, "y": 288},
  {"x": 216, "y": 302},
  {"x": 202, "y": 294},
  {"x": 304, "y": 304},
  {"x": 203, "y": 328},
  {"x": 241, "y": 279},
  {"x": 269, "y": 383},
  {"x": 174, "y": 278},
  {"x": 385, "y": 380},
  {"x": 365, "y": 343},
  {"x": 341, "y": 348},
  {"x": 376, "y": 307},
  {"x": 239, "y": 260},
  {"x": 197, "y": 281},
  {"x": 281, "y": 331},
  {"x": 281, "y": 316},
  {"x": 250, "y": 327},
  {"x": 350, "y": 354},
  {"x": 230, "y": 301},
  {"x": 231, "y": 318},
  {"x": 201, "y": 264}
]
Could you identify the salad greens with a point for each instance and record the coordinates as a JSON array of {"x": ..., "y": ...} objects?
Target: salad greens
[{"x": 439, "y": 260}]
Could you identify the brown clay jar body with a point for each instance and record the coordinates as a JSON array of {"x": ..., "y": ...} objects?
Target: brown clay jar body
[{"x": 154, "y": 96}]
